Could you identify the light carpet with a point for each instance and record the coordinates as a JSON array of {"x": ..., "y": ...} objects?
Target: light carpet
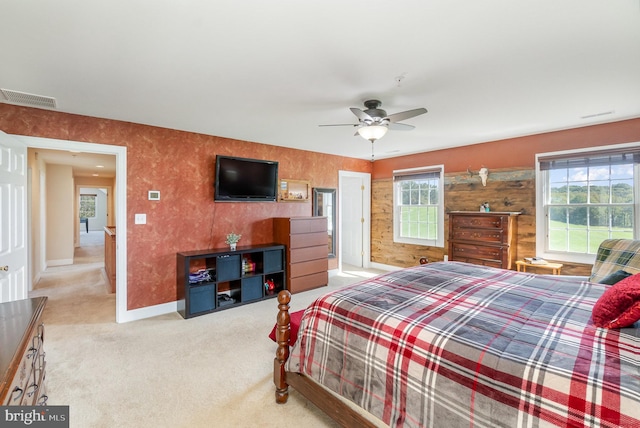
[{"x": 210, "y": 371}]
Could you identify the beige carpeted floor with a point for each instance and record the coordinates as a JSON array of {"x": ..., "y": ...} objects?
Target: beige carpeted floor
[{"x": 210, "y": 371}]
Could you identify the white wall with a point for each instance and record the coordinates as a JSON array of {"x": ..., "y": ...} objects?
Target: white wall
[
  {"x": 60, "y": 214},
  {"x": 104, "y": 183},
  {"x": 37, "y": 204},
  {"x": 100, "y": 220}
]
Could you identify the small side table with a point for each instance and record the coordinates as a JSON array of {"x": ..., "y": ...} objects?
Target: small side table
[{"x": 521, "y": 265}]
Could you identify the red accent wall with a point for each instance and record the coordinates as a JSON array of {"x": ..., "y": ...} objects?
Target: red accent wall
[
  {"x": 181, "y": 166},
  {"x": 513, "y": 152}
]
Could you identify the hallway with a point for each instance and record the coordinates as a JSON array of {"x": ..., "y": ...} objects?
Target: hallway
[
  {"x": 91, "y": 249},
  {"x": 79, "y": 291}
]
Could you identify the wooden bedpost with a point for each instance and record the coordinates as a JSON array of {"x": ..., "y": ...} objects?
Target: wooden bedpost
[{"x": 282, "y": 353}]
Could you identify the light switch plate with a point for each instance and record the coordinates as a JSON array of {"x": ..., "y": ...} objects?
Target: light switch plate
[{"x": 141, "y": 219}]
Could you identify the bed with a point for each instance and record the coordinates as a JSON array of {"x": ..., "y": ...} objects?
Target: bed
[{"x": 452, "y": 344}]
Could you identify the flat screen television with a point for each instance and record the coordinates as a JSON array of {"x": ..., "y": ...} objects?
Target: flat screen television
[{"x": 245, "y": 180}]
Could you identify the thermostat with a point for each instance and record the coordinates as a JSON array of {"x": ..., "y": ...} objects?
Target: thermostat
[{"x": 154, "y": 195}]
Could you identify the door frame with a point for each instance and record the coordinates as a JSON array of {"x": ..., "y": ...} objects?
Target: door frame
[
  {"x": 366, "y": 214},
  {"x": 120, "y": 152}
]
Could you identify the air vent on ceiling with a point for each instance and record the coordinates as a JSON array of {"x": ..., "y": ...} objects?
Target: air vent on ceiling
[{"x": 30, "y": 100}]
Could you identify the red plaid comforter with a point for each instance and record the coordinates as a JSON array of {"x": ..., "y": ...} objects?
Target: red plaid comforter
[{"x": 459, "y": 345}]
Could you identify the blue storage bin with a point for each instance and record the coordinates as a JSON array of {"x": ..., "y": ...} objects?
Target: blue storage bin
[
  {"x": 252, "y": 288},
  {"x": 202, "y": 298},
  {"x": 227, "y": 267},
  {"x": 273, "y": 261}
]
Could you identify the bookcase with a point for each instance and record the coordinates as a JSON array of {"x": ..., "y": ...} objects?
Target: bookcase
[{"x": 216, "y": 279}]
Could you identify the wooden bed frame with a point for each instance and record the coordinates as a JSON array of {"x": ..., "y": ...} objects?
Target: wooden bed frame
[{"x": 326, "y": 401}]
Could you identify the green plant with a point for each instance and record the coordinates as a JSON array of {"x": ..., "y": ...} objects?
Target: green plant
[{"x": 233, "y": 238}]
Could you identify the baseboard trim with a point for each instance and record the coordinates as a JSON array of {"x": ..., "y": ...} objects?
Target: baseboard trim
[
  {"x": 148, "y": 312},
  {"x": 166, "y": 308},
  {"x": 59, "y": 262},
  {"x": 382, "y": 266}
]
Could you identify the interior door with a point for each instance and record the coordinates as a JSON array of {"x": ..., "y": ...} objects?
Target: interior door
[
  {"x": 13, "y": 228},
  {"x": 355, "y": 218}
]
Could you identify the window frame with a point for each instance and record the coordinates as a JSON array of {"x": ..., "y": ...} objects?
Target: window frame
[
  {"x": 439, "y": 241},
  {"x": 542, "y": 209}
]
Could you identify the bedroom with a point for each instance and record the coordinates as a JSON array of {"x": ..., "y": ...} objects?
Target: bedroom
[
  {"x": 152, "y": 249},
  {"x": 435, "y": 140}
]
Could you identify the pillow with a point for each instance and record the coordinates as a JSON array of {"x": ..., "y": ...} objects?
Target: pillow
[
  {"x": 614, "y": 277},
  {"x": 619, "y": 305},
  {"x": 294, "y": 318}
]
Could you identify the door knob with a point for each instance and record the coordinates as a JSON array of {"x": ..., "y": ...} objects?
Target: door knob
[{"x": 4, "y": 268}]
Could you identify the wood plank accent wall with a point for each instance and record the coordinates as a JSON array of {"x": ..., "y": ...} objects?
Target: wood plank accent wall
[{"x": 506, "y": 190}]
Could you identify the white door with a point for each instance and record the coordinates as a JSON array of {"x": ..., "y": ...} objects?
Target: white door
[
  {"x": 355, "y": 218},
  {"x": 13, "y": 228}
]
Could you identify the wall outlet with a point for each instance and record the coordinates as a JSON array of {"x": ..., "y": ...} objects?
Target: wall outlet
[
  {"x": 446, "y": 258},
  {"x": 141, "y": 219}
]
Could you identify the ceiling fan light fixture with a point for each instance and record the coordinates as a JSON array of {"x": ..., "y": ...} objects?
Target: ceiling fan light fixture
[{"x": 372, "y": 132}]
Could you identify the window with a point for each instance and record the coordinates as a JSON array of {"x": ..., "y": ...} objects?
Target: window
[
  {"x": 586, "y": 198},
  {"x": 87, "y": 206},
  {"x": 418, "y": 215}
]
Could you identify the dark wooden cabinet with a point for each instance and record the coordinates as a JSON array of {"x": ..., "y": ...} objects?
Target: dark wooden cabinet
[
  {"x": 307, "y": 257},
  {"x": 215, "y": 279},
  {"x": 483, "y": 238},
  {"x": 22, "y": 362}
]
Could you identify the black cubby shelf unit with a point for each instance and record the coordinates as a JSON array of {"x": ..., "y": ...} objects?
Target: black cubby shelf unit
[{"x": 216, "y": 279}]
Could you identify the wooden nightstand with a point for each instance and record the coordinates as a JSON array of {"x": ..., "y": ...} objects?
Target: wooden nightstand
[{"x": 553, "y": 267}]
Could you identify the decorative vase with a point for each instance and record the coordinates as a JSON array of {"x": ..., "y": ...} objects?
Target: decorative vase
[{"x": 233, "y": 246}]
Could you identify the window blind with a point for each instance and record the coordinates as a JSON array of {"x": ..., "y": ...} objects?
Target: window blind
[
  {"x": 417, "y": 175},
  {"x": 599, "y": 158}
]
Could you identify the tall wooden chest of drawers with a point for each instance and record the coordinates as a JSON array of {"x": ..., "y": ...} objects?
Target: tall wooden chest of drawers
[
  {"x": 483, "y": 238},
  {"x": 22, "y": 364},
  {"x": 307, "y": 255}
]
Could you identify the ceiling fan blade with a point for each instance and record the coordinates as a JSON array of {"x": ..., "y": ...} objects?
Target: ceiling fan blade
[
  {"x": 397, "y": 117},
  {"x": 342, "y": 124},
  {"x": 361, "y": 115},
  {"x": 400, "y": 127}
]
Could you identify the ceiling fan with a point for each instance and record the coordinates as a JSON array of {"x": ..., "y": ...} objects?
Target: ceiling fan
[
  {"x": 373, "y": 123},
  {"x": 377, "y": 119}
]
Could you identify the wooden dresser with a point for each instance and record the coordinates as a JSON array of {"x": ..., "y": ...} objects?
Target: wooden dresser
[
  {"x": 22, "y": 362},
  {"x": 307, "y": 255},
  {"x": 483, "y": 238}
]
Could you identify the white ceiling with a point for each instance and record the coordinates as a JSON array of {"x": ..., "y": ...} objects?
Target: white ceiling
[
  {"x": 271, "y": 72},
  {"x": 82, "y": 164}
]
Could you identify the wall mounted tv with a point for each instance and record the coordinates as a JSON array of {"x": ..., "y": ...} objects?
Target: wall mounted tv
[{"x": 245, "y": 180}]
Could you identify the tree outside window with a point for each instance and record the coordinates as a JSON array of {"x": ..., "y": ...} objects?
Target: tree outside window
[
  {"x": 418, "y": 208},
  {"x": 87, "y": 206},
  {"x": 588, "y": 198}
]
